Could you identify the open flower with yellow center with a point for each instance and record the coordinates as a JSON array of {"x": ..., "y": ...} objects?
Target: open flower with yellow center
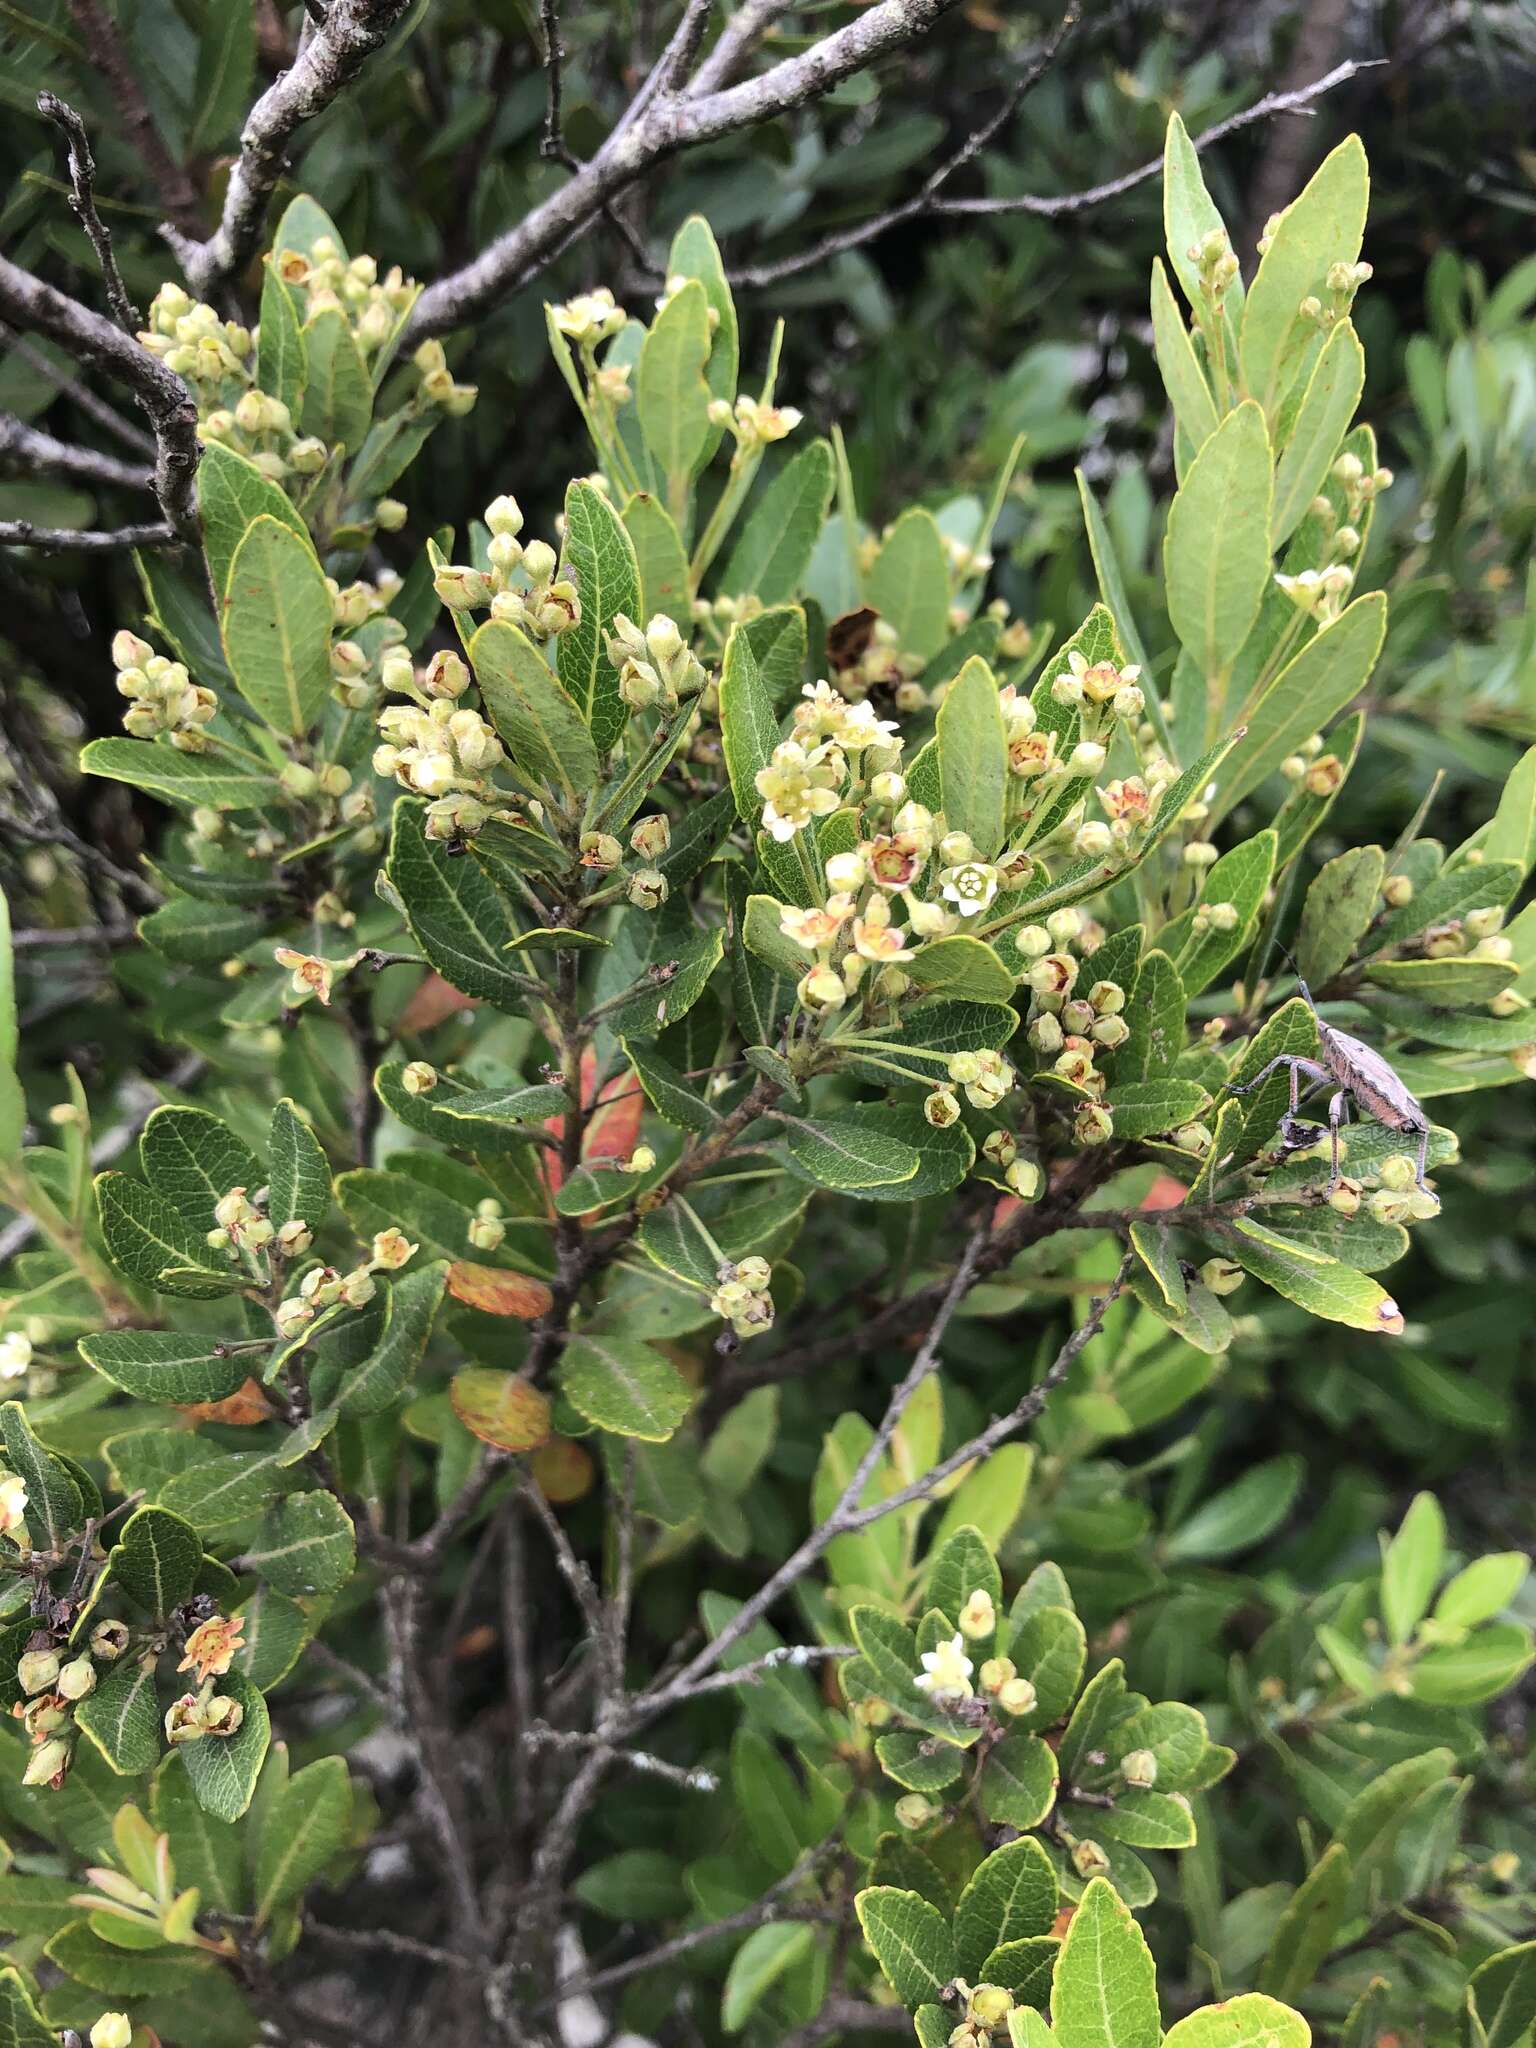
[
  {"x": 1032, "y": 753},
  {"x": 894, "y": 859},
  {"x": 797, "y": 786},
  {"x": 817, "y": 927},
  {"x": 311, "y": 975},
  {"x": 589, "y": 318},
  {"x": 946, "y": 1672},
  {"x": 212, "y": 1645},
  {"x": 970, "y": 887}
]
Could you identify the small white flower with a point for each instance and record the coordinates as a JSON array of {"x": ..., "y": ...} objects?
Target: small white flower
[
  {"x": 971, "y": 886},
  {"x": 15, "y": 1355},
  {"x": 946, "y": 1672}
]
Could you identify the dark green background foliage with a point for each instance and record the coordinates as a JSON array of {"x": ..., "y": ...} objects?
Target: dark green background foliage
[{"x": 491, "y": 1517}]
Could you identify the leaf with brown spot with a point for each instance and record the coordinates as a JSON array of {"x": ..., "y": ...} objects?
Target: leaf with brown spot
[
  {"x": 562, "y": 1471},
  {"x": 242, "y": 1409},
  {"x": 500, "y": 1408},
  {"x": 496, "y": 1292}
]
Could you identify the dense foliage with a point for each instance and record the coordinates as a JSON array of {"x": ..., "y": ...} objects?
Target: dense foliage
[{"x": 735, "y": 1311}]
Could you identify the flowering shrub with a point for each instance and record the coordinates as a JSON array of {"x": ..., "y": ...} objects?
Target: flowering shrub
[{"x": 711, "y": 924}]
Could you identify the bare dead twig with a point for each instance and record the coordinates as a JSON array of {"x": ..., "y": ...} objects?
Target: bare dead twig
[
  {"x": 82, "y": 203},
  {"x": 331, "y": 55},
  {"x": 739, "y": 35},
  {"x": 36, "y": 453},
  {"x": 90, "y": 540},
  {"x": 670, "y": 122},
  {"x": 91, "y": 339}
]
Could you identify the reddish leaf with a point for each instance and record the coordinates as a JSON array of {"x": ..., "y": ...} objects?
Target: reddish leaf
[
  {"x": 496, "y": 1292},
  {"x": 500, "y": 1408}
]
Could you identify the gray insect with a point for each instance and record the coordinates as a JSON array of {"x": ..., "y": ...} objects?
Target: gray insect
[{"x": 1363, "y": 1080}]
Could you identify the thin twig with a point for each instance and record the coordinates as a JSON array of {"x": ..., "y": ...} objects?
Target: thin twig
[
  {"x": 924, "y": 199},
  {"x": 77, "y": 393},
  {"x": 55, "y": 938},
  {"x": 670, "y": 123},
  {"x": 383, "y": 1940},
  {"x": 687, "y": 1778},
  {"x": 791, "y": 1656},
  {"x": 330, "y": 58},
  {"x": 552, "y": 144},
  {"x": 82, "y": 204},
  {"x": 1049, "y": 207},
  {"x": 39, "y": 454},
  {"x": 90, "y": 540},
  {"x": 738, "y": 36},
  {"x": 90, "y": 338}
]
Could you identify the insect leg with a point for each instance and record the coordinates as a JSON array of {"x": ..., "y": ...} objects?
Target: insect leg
[
  {"x": 1297, "y": 1065},
  {"x": 1338, "y": 1113},
  {"x": 1418, "y": 1172}
]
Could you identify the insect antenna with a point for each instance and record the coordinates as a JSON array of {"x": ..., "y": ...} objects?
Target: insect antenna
[{"x": 1290, "y": 962}]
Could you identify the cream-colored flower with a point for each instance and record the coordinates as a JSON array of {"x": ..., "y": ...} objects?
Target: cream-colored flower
[
  {"x": 798, "y": 786},
  {"x": 970, "y": 887},
  {"x": 818, "y": 927},
  {"x": 946, "y": 1672}
]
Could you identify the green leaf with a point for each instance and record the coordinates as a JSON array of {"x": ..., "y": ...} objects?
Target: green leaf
[
  {"x": 749, "y": 732},
  {"x": 194, "y": 1160},
  {"x": 910, "y": 1940},
  {"x": 144, "y": 1235},
  {"x": 1248, "y": 2021},
  {"x": 973, "y": 757},
  {"x": 763, "y": 1958},
  {"x": 1155, "y": 1250},
  {"x": 1025, "y": 1968},
  {"x": 1189, "y": 393},
  {"x": 1512, "y": 835},
  {"x": 1321, "y": 422},
  {"x": 695, "y": 253},
  {"x": 774, "y": 548},
  {"x": 544, "y": 728},
  {"x": 305, "y": 1545},
  {"x": 990, "y": 1496},
  {"x": 277, "y": 627},
  {"x": 454, "y": 910},
  {"x": 21, "y": 2024},
  {"x": 661, "y": 560},
  {"x": 846, "y": 1154},
  {"x": 122, "y": 1716},
  {"x": 1143, "y": 1109},
  {"x": 779, "y": 637},
  {"x": 1340, "y": 905},
  {"x": 1189, "y": 212},
  {"x": 281, "y": 358},
  {"x": 224, "y": 1769},
  {"x": 1474, "y": 885},
  {"x": 1308, "y": 1926},
  {"x": 1050, "y": 1649},
  {"x": 299, "y": 1175},
  {"x": 637, "y": 1884},
  {"x": 1147, "y": 1820},
  {"x": 338, "y": 392},
  {"x": 1012, "y": 1895},
  {"x": 963, "y": 967},
  {"x": 411, "y": 1304},
  {"x": 276, "y": 1632},
  {"x": 1502, "y": 1993},
  {"x": 1240, "y": 878},
  {"x": 1337, "y": 1293},
  {"x": 671, "y": 395},
  {"x": 1104, "y": 1994},
  {"x": 1018, "y": 1780},
  {"x": 1156, "y": 1015},
  {"x": 186, "y": 779},
  {"x": 1373, "y": 1819},
  {"x": 599, "y": 556},
  {"x": 1411, "y": 1567},
  {"x": 1242, "y": 1514},
  {"x": 959, "y": 1567},
  {"x": 1325, "y": 225},
  {"x": 232, "y": 494},
  {"x": 1216, "y": 554},
  {"x": 922, "y": 1763},
  {"x": 624, "y": 1386},
  {"x": 909, "y": 586},
  {"x": 156, "y": 1559},
  {"x": 306, "y": 1827},
  {"x": 1486, "y": 1664},
  {"x": 55, "y": 1508},
  {"x": 205, "y": 1852},
  {"x": 165, "y": 1365},
  {"x": 1026, "y": 2027},
  {"x": 1443, "y": 983},
  {"x": 199, "y": 934},
  {"x": 1484, "y": 1588}
]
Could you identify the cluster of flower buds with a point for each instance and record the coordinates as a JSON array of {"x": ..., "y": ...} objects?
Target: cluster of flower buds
[
  {"x": 522, "y": 586},
  {"x": 437, "y": 749},
  {"x": 986, "y": 1078},
  {"x": 324, "y": 1287},
  {"x": 752, "y": 424},
  {"x": 161, "y": 696},
  {"x": 1215, "y": 263},
  {"x": 656, "y": 666},
  {"x": 741, "y": 1296},
  {"x": 1396, "y": 1197},
  {"x": 191, "y": 339},
  {"x": 1342, "y": 281},
  {"x": 53, "y": 1681},
  {"x": 1319, "y": 774},
  {"x": 487, "y": 1230},
  {"x": 330, "y": 281},
  {"x": 1068, "y": 1025},
  {"x": 240, "y": 1226},
  {"x": 1320, "y": 594}
]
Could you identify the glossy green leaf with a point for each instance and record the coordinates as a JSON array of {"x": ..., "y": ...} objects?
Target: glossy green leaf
[
  {"x": 299, "y": 1184},
  {"x": 1242, "y": 1514},
  {"x": 624, "y": 1386},
  {"x": 1011, "y": 1896},
  {"x": 305, "y": 1545},
  {"x": 1216, "y": 555},
  {"x": 122, "y": 1716},
  {"x": 600, "y": 558},
  {"x": 845, "y": 1153},
  {"x": 1323, "y": 226},
  {"x": 232, "y": 494},
  {"x": 1411, "y": 1567},
  {"x": 455, "y": 911},
  {"x": 1185, "y": 381},
  {"x": 1105, "y": 1990},
  {"x": 277, "y": 627},
  {"x": 672, "y": 396},
  {"x": 909, "y": 584},
  {"x": 184, "y": 779},
  {"x": 973, "y": 757},
  {"x": 775, "y": 545},
  {"x": 766, "y": 1955},
  {"x": 1248, "y": 2021},
  {"x": 281, "y": 357},
  {"x": 308, "y": 1824},
  {"x": 1340, "y": 904},
  {"x": 661, "y": 560},
  {"x": 1321, "y": 422},
  {"x": 224, "y": 1769},
  {"x": 543, "y": 727},
  {"x": 911, "y": 1941},
  {"x": 749, "y": 728},
  {"x": 338, "y": 392},
  {"x": 156, "y": 1560}
]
